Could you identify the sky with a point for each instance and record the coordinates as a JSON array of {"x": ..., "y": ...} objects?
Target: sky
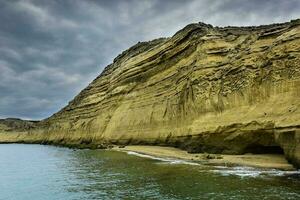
[{"x": 51, "y": 49}]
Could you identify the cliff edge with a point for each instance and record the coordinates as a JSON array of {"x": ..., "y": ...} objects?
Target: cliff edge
[{"x": 229, "y": 90}]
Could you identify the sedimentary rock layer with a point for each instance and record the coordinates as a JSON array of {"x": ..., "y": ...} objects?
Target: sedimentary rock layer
[{"x": 206, "y": 89}]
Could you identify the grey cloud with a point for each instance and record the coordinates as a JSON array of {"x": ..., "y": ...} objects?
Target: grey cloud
[{"x": 50, "y": 50}]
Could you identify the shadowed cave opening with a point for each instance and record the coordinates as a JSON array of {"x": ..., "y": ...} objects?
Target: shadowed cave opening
[{"x": 260, "y": 149}]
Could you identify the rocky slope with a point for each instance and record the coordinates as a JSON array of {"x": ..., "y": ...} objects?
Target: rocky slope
[
  {"x": 11, "y": 129},
  {"x": 13, "y": 124},
  {"x": 206, "y": 89}
]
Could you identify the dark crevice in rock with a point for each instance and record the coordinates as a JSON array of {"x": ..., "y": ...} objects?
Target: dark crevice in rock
[{"x": 260, "y": 149}]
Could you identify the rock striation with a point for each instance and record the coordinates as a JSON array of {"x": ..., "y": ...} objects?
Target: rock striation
[{"x": 229, "y": 90}]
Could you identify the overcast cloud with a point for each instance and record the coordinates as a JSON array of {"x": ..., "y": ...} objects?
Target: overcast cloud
[{"x": 52, "y": 49}]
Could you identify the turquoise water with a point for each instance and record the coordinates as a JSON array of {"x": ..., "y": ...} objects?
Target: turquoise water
[{"x": 47, "y": 172}]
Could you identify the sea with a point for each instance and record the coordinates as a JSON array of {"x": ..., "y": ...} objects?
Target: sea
[{"x": 41, "y": 172}]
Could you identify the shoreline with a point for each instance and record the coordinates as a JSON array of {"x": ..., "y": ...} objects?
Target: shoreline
[{"x": 267, "y": 161}]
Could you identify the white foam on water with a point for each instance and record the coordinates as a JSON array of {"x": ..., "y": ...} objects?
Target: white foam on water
[
  {"x": 167, "y": 160},
  {"x": 243, "y": 171}
]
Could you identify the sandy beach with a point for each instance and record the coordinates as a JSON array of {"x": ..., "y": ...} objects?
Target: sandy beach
[{"x": 275, "y": 161}]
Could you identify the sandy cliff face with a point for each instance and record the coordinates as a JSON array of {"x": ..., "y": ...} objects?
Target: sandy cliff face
[
  {"x": 206, "y": 89},
  {"x": 13, "y": 129}
]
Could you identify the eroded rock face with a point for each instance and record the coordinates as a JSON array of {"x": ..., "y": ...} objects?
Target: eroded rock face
[
  {"x": 206, "y": 89},
  {"x": 15, "y": 124},
  {"x": 14, "y": 130}
]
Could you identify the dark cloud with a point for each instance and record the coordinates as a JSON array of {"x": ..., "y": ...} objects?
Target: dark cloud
[{"x": 50, "y": 50}]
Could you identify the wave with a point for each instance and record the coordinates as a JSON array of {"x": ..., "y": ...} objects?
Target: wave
[
  {"x": 240, "y": 171},
  {"x": 243, "y": 171},
  {"x": 167, "y": 160}
]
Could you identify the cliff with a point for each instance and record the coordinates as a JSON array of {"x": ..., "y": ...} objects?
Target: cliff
[
  {"x": 11, "y": 129},
  {"x": 228, "y": 90},
  {"x": 15, "y": 124}
]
